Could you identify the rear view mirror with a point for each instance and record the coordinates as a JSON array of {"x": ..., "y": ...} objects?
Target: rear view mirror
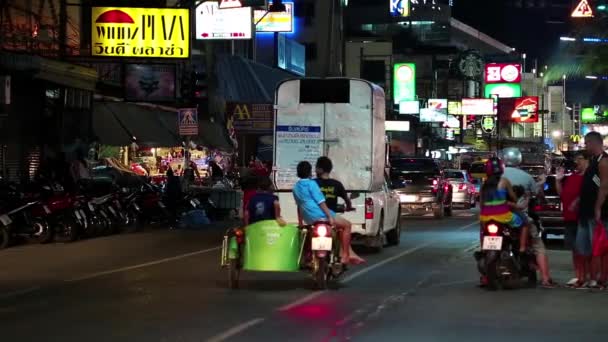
[{"x": 354, "y": 195}]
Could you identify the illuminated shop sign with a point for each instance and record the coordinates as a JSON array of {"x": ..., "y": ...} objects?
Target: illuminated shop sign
[
  {"x": 140, "y": 32},
  {"x": 503, "y": 73}
]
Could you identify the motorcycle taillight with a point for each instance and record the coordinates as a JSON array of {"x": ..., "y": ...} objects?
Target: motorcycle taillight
[
  {"x": 321, "y": 230},
  {"x": 492, "y": 229}
]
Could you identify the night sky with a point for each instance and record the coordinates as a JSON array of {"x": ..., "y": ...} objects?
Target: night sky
[{"x": 531, "y": 26}]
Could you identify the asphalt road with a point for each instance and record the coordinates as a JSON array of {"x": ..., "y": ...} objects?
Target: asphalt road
[{"x": 167, "y": 286}]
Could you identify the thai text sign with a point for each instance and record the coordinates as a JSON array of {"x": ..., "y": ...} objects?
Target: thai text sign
[
  {"x": 140, "y": 32},
  {"x": 251, "y": 117}
]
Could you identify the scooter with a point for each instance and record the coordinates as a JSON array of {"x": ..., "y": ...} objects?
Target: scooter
[{"x": 500, "y": 261}]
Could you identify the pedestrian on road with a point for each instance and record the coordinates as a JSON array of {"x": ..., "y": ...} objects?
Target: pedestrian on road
[
  {"x": 594, "y": 208},
  {"x": 569, "y": 189}
]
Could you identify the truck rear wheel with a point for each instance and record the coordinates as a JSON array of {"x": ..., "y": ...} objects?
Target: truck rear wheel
[{"x": 393, "y": 237}]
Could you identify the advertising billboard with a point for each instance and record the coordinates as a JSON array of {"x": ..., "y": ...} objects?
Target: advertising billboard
[
  {"x": 525, "y": 110},
  {"x": 397, "y": 126},
  {"x": 477, "y": 106},
  {"x": 440, "y": 105},
  {"x": 503, "y": 90},
  {"x": 455, "y": 108},
  {"x": 150, "y": 82},
  {"x": 409, "y": 107},
  {"x": 404, "y": 82},
  {"x": 213, "y": 23},
  {"x": 292, "y": 56},
  {"x": 399, "y": 8},
  {"x": 140, "y": 32},
  {"x": 503, "y": 73},
  {"x": 274, "y": 21},
  {"x": 432, "y": 115},
  {"x": 242, "y": 3}
]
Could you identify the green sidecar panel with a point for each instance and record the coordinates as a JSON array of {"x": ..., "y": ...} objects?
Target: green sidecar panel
[{"x": 270, "y": 247}]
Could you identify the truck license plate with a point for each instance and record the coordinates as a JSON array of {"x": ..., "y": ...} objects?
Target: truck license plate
[
  {"x": 321, "y": 243},
  {"x": 492, "y": 243},
  {"x": 5, "y": 220}
]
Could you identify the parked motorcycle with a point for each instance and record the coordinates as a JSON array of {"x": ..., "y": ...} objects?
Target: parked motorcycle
[
  {"x": 24, "y": 216},
  {"x": 500, "y": 260},
  {"x": 58, "y": 212}
]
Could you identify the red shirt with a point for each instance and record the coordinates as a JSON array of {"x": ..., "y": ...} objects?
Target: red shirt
[
  {"x": 247, "y": 194},
  {"x": 571, "y": 190}
]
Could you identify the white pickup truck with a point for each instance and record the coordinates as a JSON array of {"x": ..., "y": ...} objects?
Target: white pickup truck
[{"x": 342, "y": 119}]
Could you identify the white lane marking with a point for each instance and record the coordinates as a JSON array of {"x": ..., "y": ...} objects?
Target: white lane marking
[
  {"x": 459, "y": 282},
  {"x": 365, "y": 270},
  {"x": 147, "y": 264},
  {"x": 235, "y": 330},
  {"x": 19, "y": 292},
  {"x": 302, "y": 300}
]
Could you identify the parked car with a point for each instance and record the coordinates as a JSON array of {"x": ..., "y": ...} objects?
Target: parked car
[
  {"x": 463, "y": 189},
  {"x": 549, "y": 209},
  {"x": 421, "y": 186}
]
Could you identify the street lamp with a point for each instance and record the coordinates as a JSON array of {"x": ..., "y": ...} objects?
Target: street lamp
[
  {"x": 556, "y": 134},
  {"x": 524, "y": 58}
]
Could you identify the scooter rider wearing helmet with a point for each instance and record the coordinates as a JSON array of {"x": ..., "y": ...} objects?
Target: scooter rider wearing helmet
[
  {"x": 498, "y": 201},
  {"x": 517, "y": 177}
]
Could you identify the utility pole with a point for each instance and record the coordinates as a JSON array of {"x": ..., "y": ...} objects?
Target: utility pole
[{"x": 63, "y": 23}]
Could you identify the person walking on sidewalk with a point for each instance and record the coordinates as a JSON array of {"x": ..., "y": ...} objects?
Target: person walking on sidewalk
[
  {"x": 569, "y": 189},
  {"x": 593, "y": 207}
]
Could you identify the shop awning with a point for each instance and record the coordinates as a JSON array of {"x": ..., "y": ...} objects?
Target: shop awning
[
  {"x": 147, "y": 124},
  {"x": 63, "y": 73},
  {"x": 243, "y": 80},
  {"x": 115, "y": 123}
]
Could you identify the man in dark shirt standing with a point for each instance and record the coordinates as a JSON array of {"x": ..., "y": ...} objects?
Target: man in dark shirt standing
[
  {"x": 331, "y": 188},
  {"x": 593, "y": 207}
]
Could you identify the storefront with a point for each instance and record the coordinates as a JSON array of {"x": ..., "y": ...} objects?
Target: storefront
[
  {"x": 48, "y": 114},
  {"x": 146, "y": 138}
]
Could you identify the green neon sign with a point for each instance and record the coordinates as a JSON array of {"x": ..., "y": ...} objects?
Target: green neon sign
[
  {"x": 588, "y": 115},
  {"x": 404, "y": 82},
  {"x": 503, "y": 90}
]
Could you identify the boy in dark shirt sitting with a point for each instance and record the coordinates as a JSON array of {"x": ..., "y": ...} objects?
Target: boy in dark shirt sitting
[
  {"x": 331, "y": 188},
  {"x": 264, "y": 205}
]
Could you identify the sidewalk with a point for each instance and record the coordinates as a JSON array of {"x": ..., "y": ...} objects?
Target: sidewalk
[{"x": 34, "y": 265}]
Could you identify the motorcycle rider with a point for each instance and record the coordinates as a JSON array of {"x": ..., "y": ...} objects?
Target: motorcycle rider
[
  {"x": 312, "y": 207},
  {"x": 498, "y": 201},
  {"x": 517, "y": 177}
]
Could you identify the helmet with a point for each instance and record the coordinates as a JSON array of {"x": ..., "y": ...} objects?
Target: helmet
[
  {"x": 512, "y": 156},
  {"x": 494, "y": 166}
]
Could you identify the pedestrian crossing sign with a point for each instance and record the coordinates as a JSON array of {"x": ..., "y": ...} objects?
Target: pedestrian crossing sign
[
  {"x": 582, "y": 10},
  {"x": 187, "y": 119}
]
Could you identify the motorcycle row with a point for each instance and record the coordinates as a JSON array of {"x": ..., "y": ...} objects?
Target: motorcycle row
[{"x": 46, "y": 213}]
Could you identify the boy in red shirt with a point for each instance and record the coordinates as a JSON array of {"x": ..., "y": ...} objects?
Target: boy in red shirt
[{"x": 569, "y": 189}]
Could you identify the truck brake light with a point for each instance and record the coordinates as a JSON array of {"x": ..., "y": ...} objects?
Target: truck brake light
[{"x": 369, "y": 209}]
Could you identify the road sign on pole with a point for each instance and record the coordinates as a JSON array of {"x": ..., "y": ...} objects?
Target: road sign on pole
[
  {"x": 582, "y": 10},
  {"x": 187, "y": 119}
]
